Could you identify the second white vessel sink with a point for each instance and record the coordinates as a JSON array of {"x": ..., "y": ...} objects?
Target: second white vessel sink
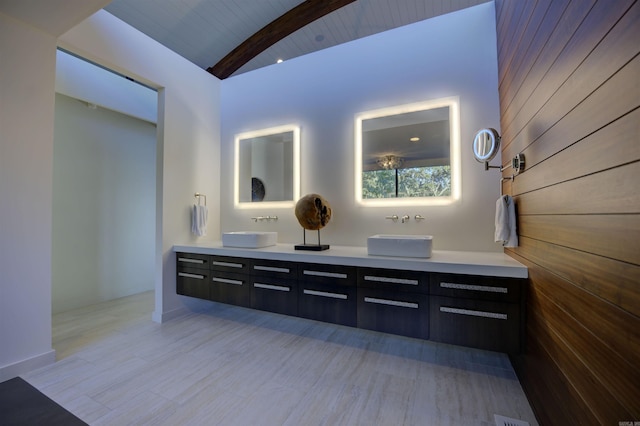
[
  {"x": 400, "y": 245},
  {"x": 249, "y": 239}
]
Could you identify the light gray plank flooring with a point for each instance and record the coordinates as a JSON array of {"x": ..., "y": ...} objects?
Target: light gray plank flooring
[{"x": 226, "y": 365}]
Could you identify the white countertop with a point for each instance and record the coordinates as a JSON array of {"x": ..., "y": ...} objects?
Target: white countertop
[{"x": 457, "y": 262}]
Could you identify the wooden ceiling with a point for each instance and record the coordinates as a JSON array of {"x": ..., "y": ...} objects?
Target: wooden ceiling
[{"x": 230, "y": 37}]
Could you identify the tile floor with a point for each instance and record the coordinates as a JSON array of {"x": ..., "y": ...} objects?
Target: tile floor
[{"x": 226, "y": 365}]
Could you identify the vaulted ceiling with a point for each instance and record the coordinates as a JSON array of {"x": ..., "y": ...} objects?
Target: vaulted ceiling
[{"x": 230, "y": 37}]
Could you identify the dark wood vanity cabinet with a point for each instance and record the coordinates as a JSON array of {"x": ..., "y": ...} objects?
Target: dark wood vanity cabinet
[
  {"x": 327, "y": 293},
  {"x": 393, "y": 301},
  {"x": 274, "y": 286},
  {"x": 193, "y": 275},
  {"x": 469, "y": 310},
  {"x": 477, "y": 311},
  {"x": 230, "y": 280}
]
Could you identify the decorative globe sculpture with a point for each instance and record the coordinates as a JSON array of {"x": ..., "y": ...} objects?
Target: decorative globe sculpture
[{"x": 313, "y": 213}]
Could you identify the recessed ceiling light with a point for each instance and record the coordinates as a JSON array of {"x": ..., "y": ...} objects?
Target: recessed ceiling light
[
  {"x": 414, "y": 139},
  {"x": 319, "y": 37},
  {"x": 279, "y": 60}
]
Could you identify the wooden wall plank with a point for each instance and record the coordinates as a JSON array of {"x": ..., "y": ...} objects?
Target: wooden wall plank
[
  {"x": 612, "y": 236},
  {"x": 530, "y": 61},
  {"x": 512, "y": 10},
  {"x": 612, "y": 191},
  {"x": 555, "y": 401},
  {"x": 566, "y": 26},
  {"x": 613, "y": 145},
  {"x": 589, "y": 35},
  {"x": 611, "y": 281},
  {"x": 599, "y": 399},
  {"x": 515, "y": 39},
  {"x": 523, "y": 49},
  {"x": 587, "y": 359},
  {"x": 615, "y": 97},
  {"x": 570, "y": 101}
]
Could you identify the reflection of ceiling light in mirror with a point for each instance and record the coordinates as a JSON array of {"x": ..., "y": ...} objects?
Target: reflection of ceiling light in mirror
[
  {"x": 389, "y": 162},
  {"x": 414, "y": 139}
]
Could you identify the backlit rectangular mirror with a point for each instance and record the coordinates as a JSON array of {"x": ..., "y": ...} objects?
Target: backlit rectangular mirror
[
  {"x": 408, "y": 154},
  {"x": 267, "y": 167}
]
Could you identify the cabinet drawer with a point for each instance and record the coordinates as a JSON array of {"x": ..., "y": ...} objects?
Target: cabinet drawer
[
  {"x": 493, "y": 326},
  {"x": 394, "y": 280},
  {"x": 329, "y": 303},
  {"x": 190, "y": 260},
  {"x": 330, "y": 274},
  {"x": 477, "y": 287},
  {"x": 274, "y": 268},
  {"x": 193, "y": 282},
  {"x": 402, "y": 313},
  {"x": 233, "y": 289},
  {"x": 274, "y": 295},
  {"x": 234, "y": 265}
]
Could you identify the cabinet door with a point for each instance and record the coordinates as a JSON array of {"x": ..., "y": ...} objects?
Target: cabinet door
[
  {"x": 477, "y": 287},
  {"x": 493, "y": 326},
  {"x": 274, "y": 295},
  {"x": 193, "y": 282},
  {"x": 234, "y": 265},
  {"x": 327, "y": 293},
  {"x": 394, "y": 280},
  {"x": 191, "y": 260},
  {"x": 395, "y": 312},
  {"x": 274, "y": 286}
]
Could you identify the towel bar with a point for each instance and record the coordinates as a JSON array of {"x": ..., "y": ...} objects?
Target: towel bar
[{"x": 199, "y": 195}]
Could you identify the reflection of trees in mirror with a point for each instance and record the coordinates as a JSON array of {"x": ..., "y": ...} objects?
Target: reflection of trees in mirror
[{"x": 411, "y": 182}]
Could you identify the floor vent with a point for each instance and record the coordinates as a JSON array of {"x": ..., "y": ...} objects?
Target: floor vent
[{"x": 506, "y": 421}]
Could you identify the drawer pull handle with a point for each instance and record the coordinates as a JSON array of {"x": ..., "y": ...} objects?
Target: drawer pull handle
[
  {"x": 391, "y": 302},
  {"x": 186, "y": 275},
  {"x": 187, "y": 260},
  {"x": 271, "y": 287},
  {"x": 473, "y": 287},
  {"x": 271, "y": 269},
  {"x": 325, "y": 274},
  {"x": 325, "y": 294},
  {"x": 390, "y": 280},
  {"x": 226, "y": 281},
  {"x": 483, "y": 314},
  {"x": 228, "y": 264}
]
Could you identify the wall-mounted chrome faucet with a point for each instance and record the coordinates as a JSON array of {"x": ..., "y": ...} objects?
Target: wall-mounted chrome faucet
[
  {"x": 261, "y": 218},
  {"x": 404, "y": 219}
]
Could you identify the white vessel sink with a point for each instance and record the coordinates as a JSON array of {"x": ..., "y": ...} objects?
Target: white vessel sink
[
  {"x": 400, "y": 245},
  {"x": 249, "y": 239}
]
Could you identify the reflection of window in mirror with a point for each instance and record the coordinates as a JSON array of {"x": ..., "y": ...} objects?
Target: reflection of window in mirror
[
  {"x": 267, "y": 167},
  {"x": 408, "y": 154}
]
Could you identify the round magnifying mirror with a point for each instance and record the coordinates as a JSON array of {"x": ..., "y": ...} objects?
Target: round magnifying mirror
[{"x": 486, "y": 145}]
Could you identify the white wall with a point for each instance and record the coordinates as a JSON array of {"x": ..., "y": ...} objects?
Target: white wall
[
  {"x": 451, "y": 55},
  {"x": 26, "y": 149},
  {"x": 188, "y": 134},
  {"x": 80, "y": 79},
  {"x": 103, "y": 205},
  {"x": 188, "y": 161}
]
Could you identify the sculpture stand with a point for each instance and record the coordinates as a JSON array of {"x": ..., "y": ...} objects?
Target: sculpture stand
[{"x": 311, "y": 247}]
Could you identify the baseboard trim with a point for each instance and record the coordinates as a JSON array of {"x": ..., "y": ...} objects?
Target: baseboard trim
[
  {"x": 161, "y": 317},
  {"x": 21, "y": 367}
]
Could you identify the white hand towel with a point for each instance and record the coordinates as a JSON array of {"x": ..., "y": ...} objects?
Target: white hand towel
[
  {"x": 513, "y": 233},
  {"x": 505, "y": 222},
  {"x": 199, "y": 216}
]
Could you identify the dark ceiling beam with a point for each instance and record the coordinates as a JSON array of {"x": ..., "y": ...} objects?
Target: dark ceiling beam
[{"x": 298, "y": 17}]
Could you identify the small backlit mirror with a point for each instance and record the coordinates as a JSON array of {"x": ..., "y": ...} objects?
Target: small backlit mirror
[{"x": 486, "y": 145}]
